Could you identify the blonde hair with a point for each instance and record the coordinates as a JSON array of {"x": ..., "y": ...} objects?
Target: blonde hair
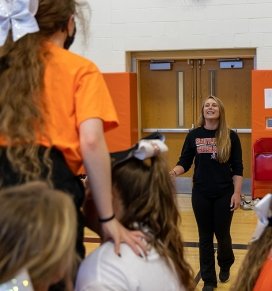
[
  {"x": 148, "y": 197},
  {"x": 37, "y": 232},
  {"x": 223, "y": 142},
  {"x": 22, "y": 110}
]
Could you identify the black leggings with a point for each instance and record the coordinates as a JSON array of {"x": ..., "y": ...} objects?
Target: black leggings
[
  {"x": 213, "y": 216},
  {"x": 62, "y": 178}
]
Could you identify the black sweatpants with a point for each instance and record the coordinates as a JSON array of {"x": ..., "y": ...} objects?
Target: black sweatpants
[{"x": 213, "y": 217}]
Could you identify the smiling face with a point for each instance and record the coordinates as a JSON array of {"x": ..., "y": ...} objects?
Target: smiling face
[{"x": 211, "y": 110}]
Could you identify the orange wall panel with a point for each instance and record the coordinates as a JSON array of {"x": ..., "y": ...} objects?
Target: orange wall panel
[
  {"x": 123, "y": 89},
  {"x": 261, "y": 79}
]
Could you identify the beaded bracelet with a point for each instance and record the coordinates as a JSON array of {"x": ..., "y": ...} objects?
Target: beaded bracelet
[{"x": 104, "y": 220}]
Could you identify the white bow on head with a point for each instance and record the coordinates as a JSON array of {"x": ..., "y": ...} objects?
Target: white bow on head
[
  {"x": 148, "y": 148},
  {"x": 20, "y": 282},
  {"x": 263, "y": 211},
  {"x": 17, "y": 15}
]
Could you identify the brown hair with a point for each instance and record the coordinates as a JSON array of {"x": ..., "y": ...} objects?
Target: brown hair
[
  {"x": 37, "y": 232},
  {"x": 257, "y": 254},
  {"x": 22, "y": 111},
  {"x": 148, "y": 197},
  {"x": 222, "y": 135}
]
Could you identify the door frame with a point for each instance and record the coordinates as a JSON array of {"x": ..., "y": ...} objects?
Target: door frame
[
  {"x": 133, "y": 59},
  {"x": 132, "y": 65}
]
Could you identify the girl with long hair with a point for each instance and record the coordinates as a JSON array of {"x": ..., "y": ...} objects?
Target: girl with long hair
[
  {"x": 54, "y": 108},
  {"x": 144, "y": 199},
  {"x": 217, "y": 183}
]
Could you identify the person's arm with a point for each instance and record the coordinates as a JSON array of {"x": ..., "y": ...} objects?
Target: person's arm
[
  {"x": 236, "y": 197},
  {"x": 186, "y": 157},
  {"x": 237, "y": 168},
  {"x": 97, "y": 164},
  {"x": 176, "y": 171}
]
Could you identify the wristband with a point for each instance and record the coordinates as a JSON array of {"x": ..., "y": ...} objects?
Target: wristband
[
  {"x": 174, "y": 172},
  {"x": 104, "y": 220}
]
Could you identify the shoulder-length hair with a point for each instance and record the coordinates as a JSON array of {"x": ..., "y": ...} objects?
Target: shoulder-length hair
[{"x": 37, "y": 232}]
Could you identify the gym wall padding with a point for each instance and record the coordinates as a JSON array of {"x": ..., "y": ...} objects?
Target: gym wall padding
[
  {"x": 123, "y": 89},
  {"x": 261, "y": 80}
]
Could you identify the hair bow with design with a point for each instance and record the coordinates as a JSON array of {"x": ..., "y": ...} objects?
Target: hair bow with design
[
  {"x": 147, "y": 147},
  {"x": 19, "y": 282},
  {"x": 263, "y": 211},
  {"x": 17, "y": 16}
]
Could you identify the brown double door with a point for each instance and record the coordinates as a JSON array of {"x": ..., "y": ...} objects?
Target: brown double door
[{"x": 170, "y": 100}]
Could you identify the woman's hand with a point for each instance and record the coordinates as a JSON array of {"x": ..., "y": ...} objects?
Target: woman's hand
[
  {"x": 172, "y": 173},
  {"x": 176, "y": 171},
  {"x": 114, "y": 230},
  {"x": 236, "y": 197},
  {"x": 235, "y": 201}
]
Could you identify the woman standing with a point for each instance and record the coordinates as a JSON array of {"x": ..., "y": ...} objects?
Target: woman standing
[{"x": 217, "y": 182}]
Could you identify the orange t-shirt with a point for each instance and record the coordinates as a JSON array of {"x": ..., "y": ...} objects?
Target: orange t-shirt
[
  {"x": 74, "y": 91},
  {"x": 264, "y": 281}
]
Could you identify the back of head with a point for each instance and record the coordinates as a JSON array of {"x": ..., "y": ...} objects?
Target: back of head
[
  {"x": 147, "y": 193},
  {"x": 149, "y": 203},
  {"x": 24, "y": 56},
  {"x": 37, "y": 232},
  {"x": 53, "y": 16}
]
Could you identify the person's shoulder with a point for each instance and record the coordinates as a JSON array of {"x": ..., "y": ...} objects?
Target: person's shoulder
[
  {"x": 79, "y": 59},
  {"x": 233, "y": 134},
  {"x": 233, "y": 131},
  {"x": 195, "y": 130},
  {"x": 105, "y": 254},
  {"x": 70, "y": 58},
  {"x": 104, "y": 268},
  {"x": 92, "y": 265},
  {"x": 198, "y": 128}
]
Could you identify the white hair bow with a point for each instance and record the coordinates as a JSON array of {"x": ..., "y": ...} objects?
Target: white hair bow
[
  {"x": 17, "y": 15},
  {"x": 19, "y": 282},
  {"x": 263, "y": 211},
  {"x": 148, "y": 148}
]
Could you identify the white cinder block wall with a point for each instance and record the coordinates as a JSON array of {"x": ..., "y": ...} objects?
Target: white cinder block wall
[{"x": 117, "y": 26}]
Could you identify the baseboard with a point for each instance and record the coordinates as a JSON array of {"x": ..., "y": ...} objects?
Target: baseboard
[{"x": 184, "y": 185}]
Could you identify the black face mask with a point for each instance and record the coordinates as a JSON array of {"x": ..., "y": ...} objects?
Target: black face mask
[{"x": 69, "y": 39}]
